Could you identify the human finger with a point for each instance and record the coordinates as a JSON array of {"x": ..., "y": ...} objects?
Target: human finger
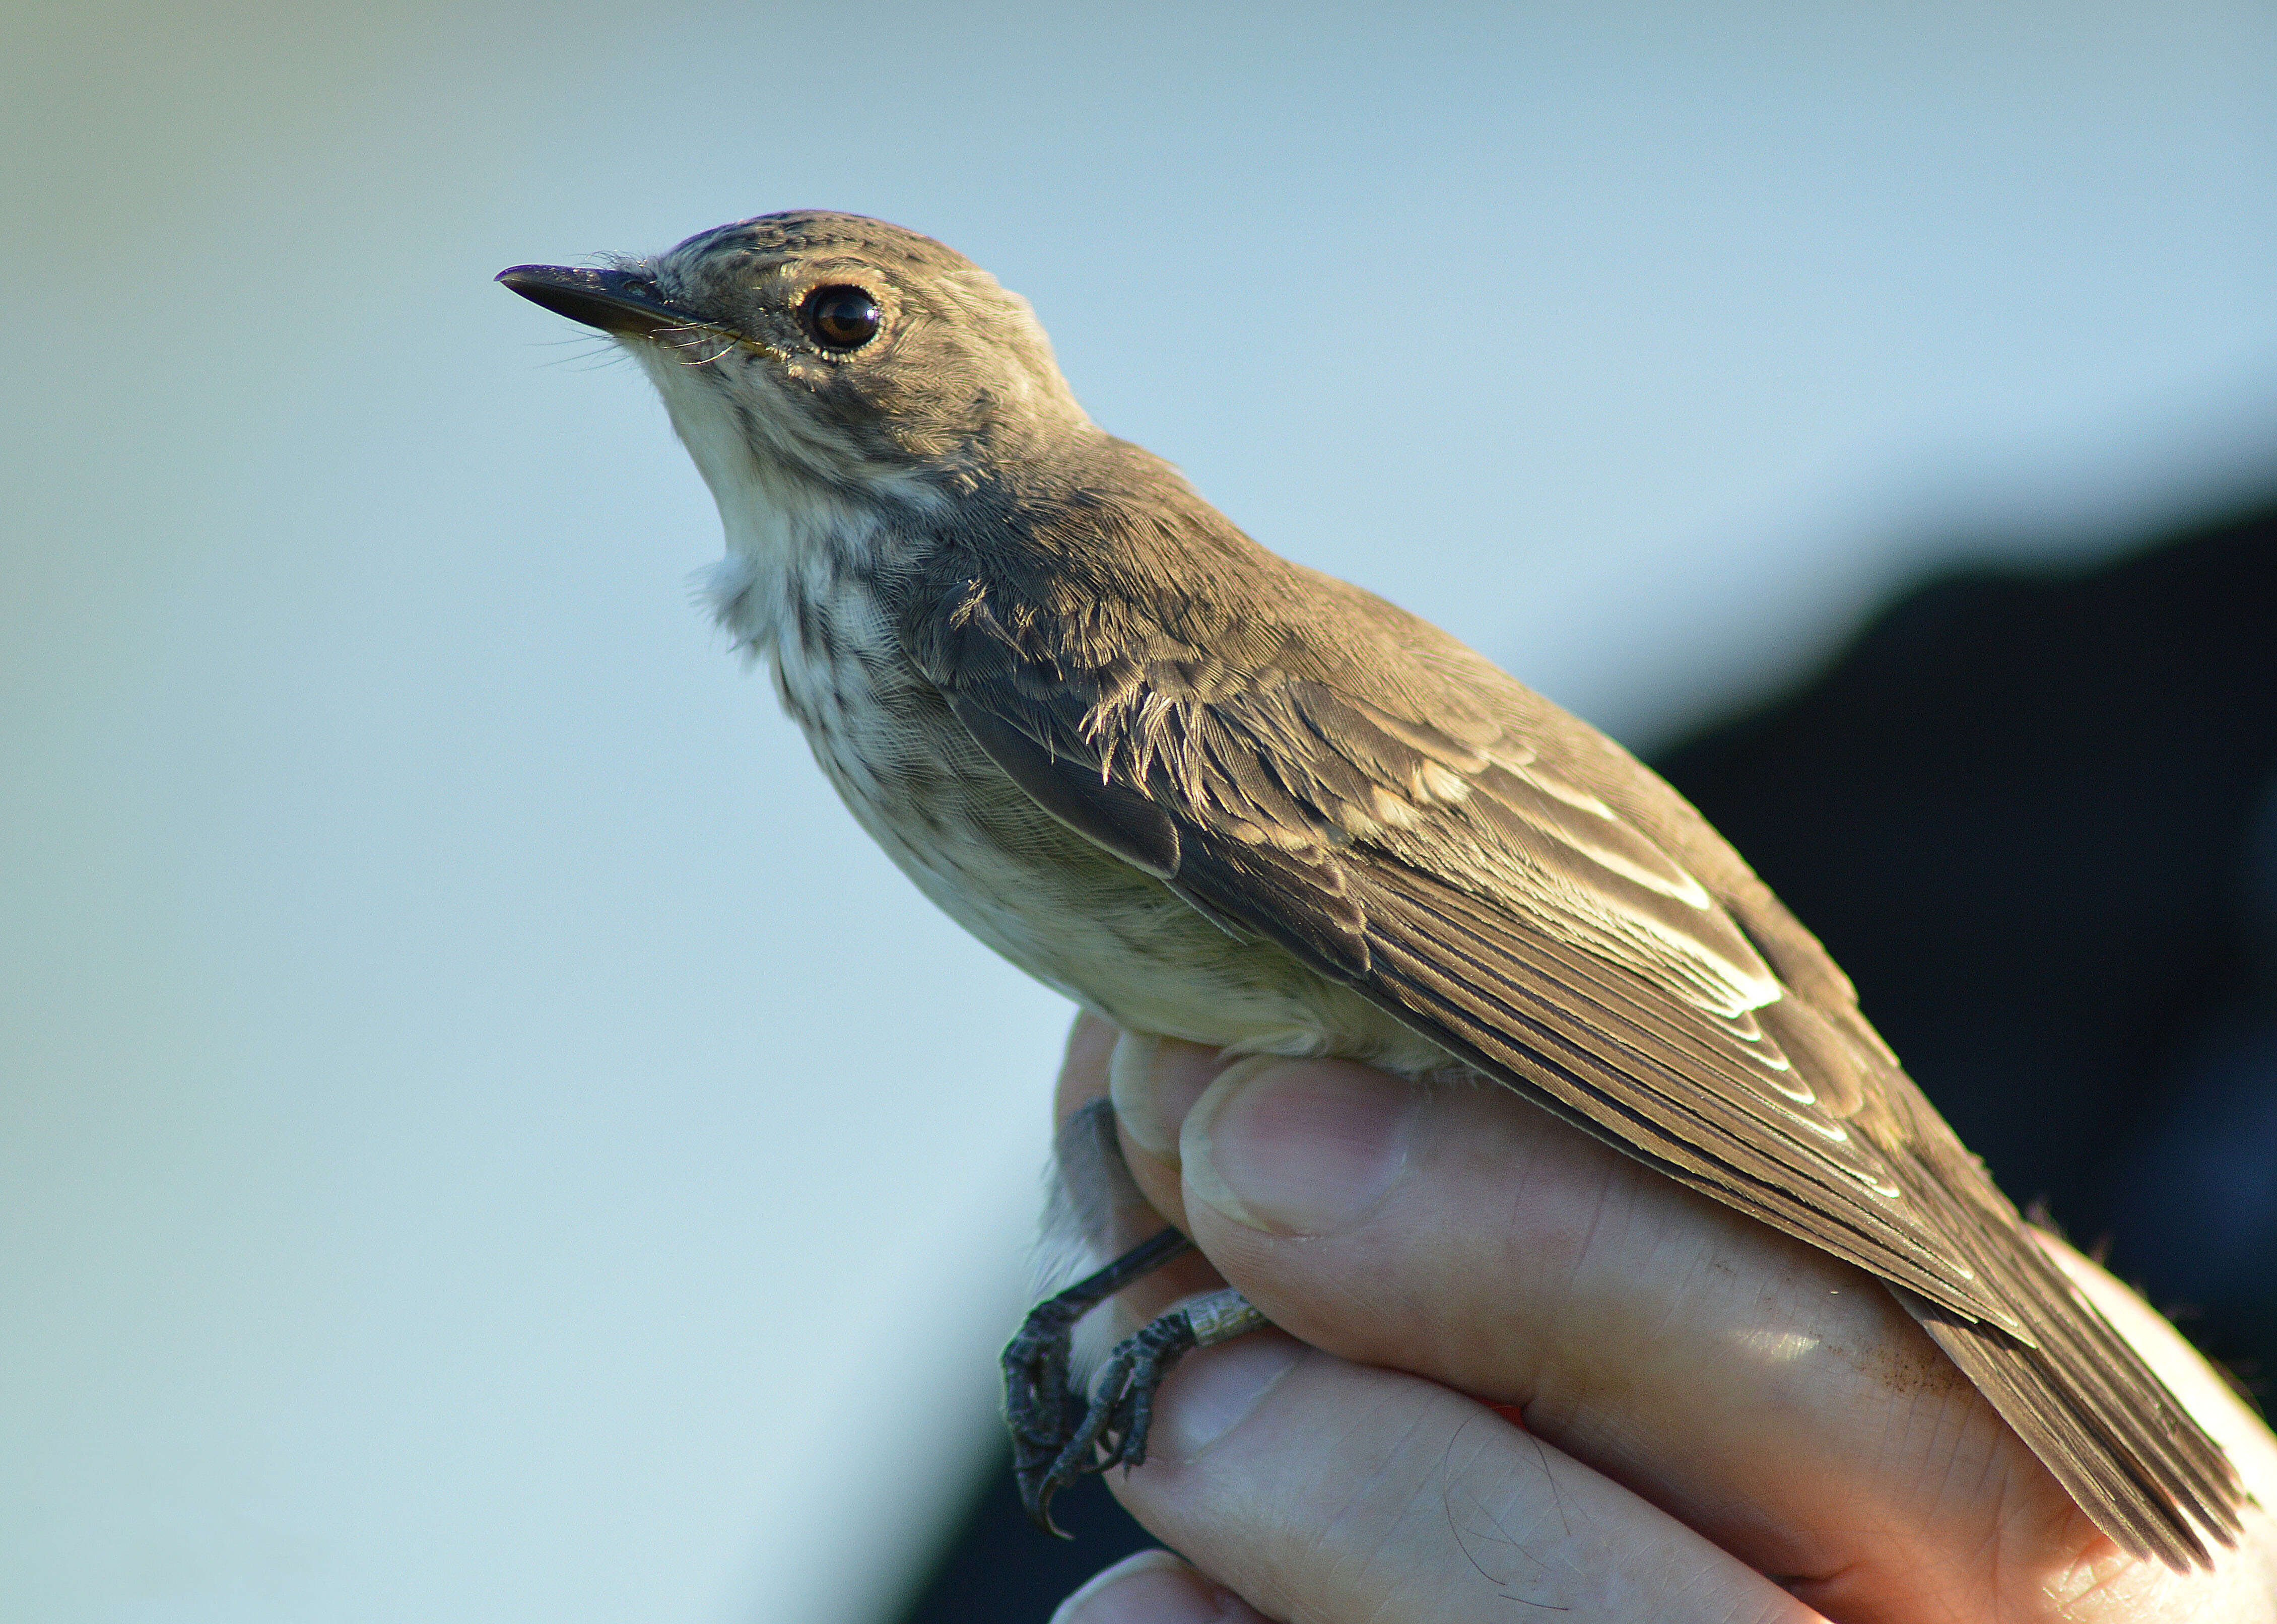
[
  {"x": 1770, "y": 1396},
  {"x": 1155, "y": 1587},
  {"x": 1328, "y": 1491}
]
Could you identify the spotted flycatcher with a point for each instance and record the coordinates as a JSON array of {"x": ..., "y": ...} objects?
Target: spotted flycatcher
[{"x": 1215, "y": 796}]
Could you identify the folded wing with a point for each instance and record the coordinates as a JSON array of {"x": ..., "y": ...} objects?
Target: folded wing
[{"x": 1406, "y": 819}]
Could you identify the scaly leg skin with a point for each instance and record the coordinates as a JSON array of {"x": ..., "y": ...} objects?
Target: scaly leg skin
[
  {"x": 1112, "y": 1430},
  {"x": 1041, "y": 1405},
  {"x": 1056, "y": 1436}
]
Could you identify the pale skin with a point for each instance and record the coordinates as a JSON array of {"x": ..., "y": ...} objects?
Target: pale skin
[{"x": 1719, "y": 1424}]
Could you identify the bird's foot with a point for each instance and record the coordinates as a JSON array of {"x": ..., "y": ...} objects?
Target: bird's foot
[
  {"x": 1111, "y": 1430},
  {"x": 1042, "y": 1406}
]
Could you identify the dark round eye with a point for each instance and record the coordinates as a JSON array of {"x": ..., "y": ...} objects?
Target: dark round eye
[{"x": 842, "y": 318}]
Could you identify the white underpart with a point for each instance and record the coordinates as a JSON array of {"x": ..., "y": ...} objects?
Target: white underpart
[{"x": 794, "y": 587}]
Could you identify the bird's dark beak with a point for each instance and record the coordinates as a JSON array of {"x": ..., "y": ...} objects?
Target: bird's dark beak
[{"x": 616, "y": 301}]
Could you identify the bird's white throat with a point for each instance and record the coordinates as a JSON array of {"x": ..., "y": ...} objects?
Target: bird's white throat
[{"x": 792, "y": 541}]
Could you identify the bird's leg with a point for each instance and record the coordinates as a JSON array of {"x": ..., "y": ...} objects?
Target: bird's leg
[
  {"x": 1045, "y": 1413},
  {"x": 1057, "y": 1434},
  {"x": 1113, "y": 1432}
]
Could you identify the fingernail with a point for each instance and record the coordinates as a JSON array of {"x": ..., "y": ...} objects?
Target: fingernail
[
  {"x": 1298, "y": 1147},
  {"x": 1209, "y": 1392},
  {"x": 1151, "y": 1588},
  {"x": 1154, "y": 1083}
]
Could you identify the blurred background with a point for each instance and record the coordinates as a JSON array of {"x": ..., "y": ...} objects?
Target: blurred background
[{"x": 483, "y": 1136}]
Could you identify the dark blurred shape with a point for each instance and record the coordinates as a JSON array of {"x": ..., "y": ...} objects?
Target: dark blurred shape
[
  {"x": 1000, "y": 1569},
  {"x": 2033, "y": 814},
  {"x": 2030, "y": 813}
]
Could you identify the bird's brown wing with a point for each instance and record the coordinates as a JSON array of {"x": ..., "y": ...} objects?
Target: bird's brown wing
[{"x": 1405, "y": 819}]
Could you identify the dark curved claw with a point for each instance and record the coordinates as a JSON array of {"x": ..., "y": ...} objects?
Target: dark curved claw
[{"x": 1054, "y": 1431}]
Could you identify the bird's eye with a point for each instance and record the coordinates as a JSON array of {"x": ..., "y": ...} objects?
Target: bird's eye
[{"x": 842, "y": 318}]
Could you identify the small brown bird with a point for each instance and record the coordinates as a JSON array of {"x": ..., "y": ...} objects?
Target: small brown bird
[{"x": 1215, "y": 796}]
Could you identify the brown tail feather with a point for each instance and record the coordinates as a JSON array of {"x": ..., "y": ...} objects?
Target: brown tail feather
[{"x": 2087, "y": 1405}]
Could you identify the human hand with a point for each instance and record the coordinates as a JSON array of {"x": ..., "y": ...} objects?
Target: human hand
[{"x": 1719, "y": 1423}]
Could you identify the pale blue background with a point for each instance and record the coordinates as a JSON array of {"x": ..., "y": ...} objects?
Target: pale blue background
[{"x": 482, "y": 1135}]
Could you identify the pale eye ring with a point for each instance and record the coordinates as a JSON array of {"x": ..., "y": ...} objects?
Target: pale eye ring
[{"x": 842, "y": 317}]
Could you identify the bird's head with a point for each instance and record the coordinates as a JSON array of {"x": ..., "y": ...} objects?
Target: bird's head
[{"x": 827, "y": 350}]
